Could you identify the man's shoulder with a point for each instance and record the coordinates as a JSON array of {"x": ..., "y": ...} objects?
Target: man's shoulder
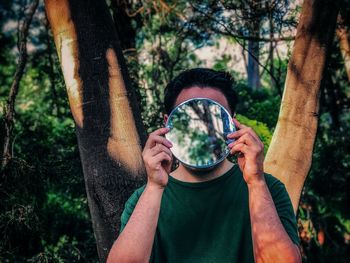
[
  {"x": 283, "y": 206},
  {"x": 272, "y": 181},
  {"x": 130, "y": 206},
  {"x": 136, "y": 195},
  {"x": 133, "y": 199},
  {"x": 276, "y": 187}
]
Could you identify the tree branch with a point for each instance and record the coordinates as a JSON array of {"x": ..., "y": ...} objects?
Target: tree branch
[{"x": 10, "y": 106}]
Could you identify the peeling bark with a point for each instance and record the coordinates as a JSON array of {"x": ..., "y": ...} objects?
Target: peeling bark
[
  {"x": 65, "y": 37},
  {"x": 290, "y": 153},
  {"x": 123, "y": 144}
]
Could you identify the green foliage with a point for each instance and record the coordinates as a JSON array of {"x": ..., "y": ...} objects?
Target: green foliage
[
  {"x": 326, "y": 199},
  {"x": 65, "y": 250},
  {"x": 44, "y": 213},
  {"x": 260, "y": 128},
  {"x": 261, "y": 105},
  {"x": 325, "y": 202},
  {"x": 43, "y": 210},
  {"x": 222, "y": 63},
  {"x": 164, "y": 51}
]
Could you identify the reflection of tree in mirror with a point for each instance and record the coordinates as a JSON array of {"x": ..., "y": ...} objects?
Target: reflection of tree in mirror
[
  {"x": 180, "y": 123},
  {"x": 181, "y": 119},
  {"x": 204, "y": 147},
  {"x": 208, "y": 112},
  {"x": 198, "y": 130},
  {"x": 201, "y": 152}
]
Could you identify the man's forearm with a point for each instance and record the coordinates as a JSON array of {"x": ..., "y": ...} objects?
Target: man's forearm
[
  {"x": 136, "y": 240},
  {"x": 271, "y": 242}
]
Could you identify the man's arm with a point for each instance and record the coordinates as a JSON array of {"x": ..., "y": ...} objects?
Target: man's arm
[
  {"x": 135, "y": 242},
  {"x": 271, "y": 242}
]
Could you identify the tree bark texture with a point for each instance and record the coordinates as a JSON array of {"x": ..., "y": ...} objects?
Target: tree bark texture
[
  {"x": 10, "y": 105},
  {"x": 108, "y": 121},
  {"x": 290, "y": 153}
]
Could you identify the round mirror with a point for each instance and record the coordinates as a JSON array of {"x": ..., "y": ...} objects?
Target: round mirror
[{"x": 198, "y": 130}]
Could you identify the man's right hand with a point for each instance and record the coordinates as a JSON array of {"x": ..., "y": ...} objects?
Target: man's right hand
[{"x": 157, "y": 158}]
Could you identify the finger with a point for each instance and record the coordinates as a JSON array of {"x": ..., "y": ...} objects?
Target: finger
[
  {"x": 155, "y": 137},
  {"x": 246, "y": 139},
  {"x": 158, "y": 132},
  {"x": 245, "y": 130},
  {"x": 239, "y": 148},
  {"x": 238, "y": 124},
  {"x": 254, "y": 146},
  {"x": 161, "y": 157},
  {"x": 160, "y": 148},
  {"x": 161, "y": 131},
  {"x": 237, "y": 134},
  {"x": 249, "y": 152}
]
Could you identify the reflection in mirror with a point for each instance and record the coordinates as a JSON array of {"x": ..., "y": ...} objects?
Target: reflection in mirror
[{"x": 198, "y": 129}]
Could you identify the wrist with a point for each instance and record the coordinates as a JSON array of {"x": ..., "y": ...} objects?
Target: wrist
[
  {"x": 154, "y": 187},
  {"x": 258, "y": 180}
]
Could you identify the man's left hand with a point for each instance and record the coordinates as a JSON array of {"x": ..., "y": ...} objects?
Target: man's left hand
[{"x": 250, "y": 151}]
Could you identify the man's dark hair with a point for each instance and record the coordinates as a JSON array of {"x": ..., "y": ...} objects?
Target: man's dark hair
[{"x": 200, "y": 77}]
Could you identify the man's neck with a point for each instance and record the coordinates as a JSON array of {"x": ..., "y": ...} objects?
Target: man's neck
[{"x": 185, "y": 174}]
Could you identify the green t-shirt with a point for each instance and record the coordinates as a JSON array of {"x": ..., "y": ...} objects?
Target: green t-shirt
[{"x": 209, "y": 221}]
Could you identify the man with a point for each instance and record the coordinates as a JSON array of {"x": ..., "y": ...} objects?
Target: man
[{"x": 231, "y": 213}]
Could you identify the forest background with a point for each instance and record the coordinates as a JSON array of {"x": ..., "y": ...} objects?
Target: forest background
[{"x": 44, "y": 216}]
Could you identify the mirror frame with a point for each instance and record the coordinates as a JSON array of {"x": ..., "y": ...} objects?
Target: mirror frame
[{"x": 217, "y": 161}]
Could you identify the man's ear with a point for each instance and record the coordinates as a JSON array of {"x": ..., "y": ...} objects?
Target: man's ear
[{"x": 165, "y": 117}]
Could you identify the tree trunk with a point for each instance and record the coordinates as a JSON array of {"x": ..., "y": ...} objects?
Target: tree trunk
[
  {"x": 9, "y": 114},
  {"x": 290, "y": 153},
  {"x": 274, "y": 83},
  {"x": 253, "y": 56},
  {"x": 344, "y": 44},
  {"x": 252, "y": 12},
  {"x": 126, "y": 26},
  {"x": 108, "y": 122}
]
